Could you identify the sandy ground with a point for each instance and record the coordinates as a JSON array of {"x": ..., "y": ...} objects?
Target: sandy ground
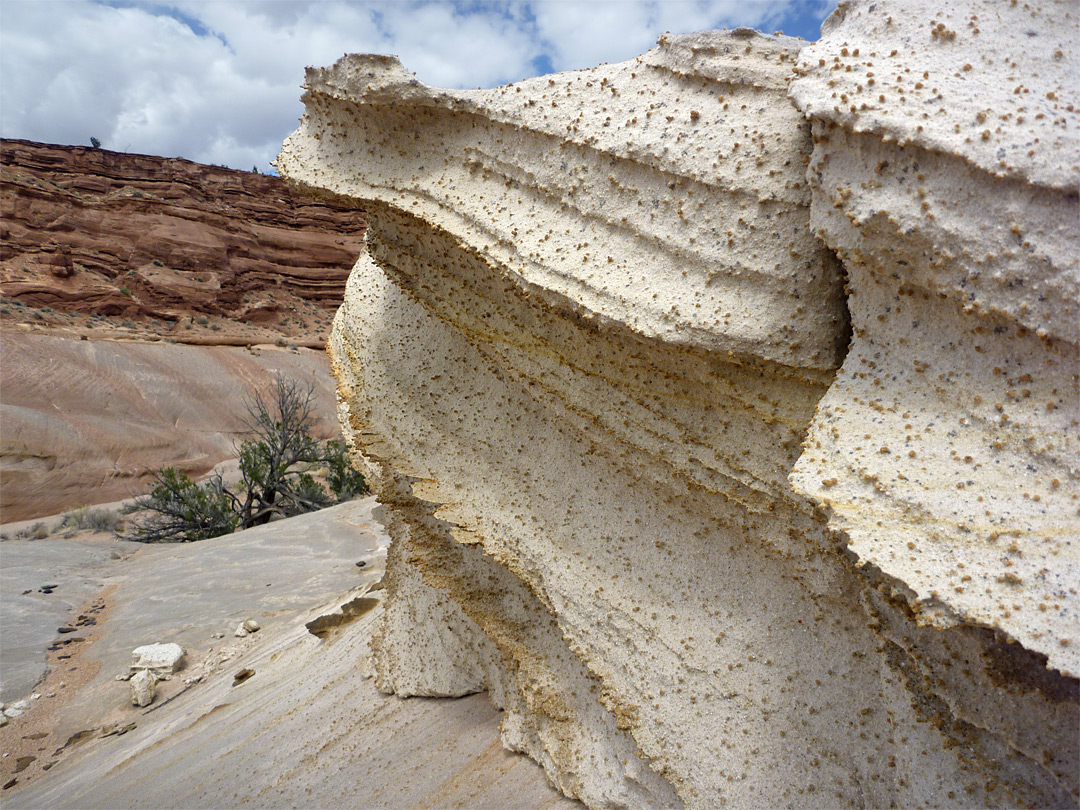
[{"x": 308, "y": 728}]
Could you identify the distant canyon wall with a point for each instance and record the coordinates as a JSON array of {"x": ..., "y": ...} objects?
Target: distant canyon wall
[
  {"x": 92, "y": 231},
  {"x": 705, "y": 450}
]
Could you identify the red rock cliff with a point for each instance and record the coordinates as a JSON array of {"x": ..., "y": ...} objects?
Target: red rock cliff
[{"x": 91, "y": 231}]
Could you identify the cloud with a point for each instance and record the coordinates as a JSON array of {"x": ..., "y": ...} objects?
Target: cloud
[{"x": 218, "y": 82}]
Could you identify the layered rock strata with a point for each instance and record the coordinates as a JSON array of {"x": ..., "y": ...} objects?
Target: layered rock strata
[
  {"x": 580, "y": 358},
  {"x": 91, "y": 231}
]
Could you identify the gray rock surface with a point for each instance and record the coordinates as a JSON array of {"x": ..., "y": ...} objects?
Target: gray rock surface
[
  {"x": 30, "y": 618},
  {"x": 309, "y": 729}
]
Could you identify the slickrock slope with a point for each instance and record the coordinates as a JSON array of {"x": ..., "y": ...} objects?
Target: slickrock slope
[
  {"x": 307, "y": 728},
  {"x": 93, "y": 232},
  {"x": 85, "y": 421},
  {"x": 581, "y": 358}
]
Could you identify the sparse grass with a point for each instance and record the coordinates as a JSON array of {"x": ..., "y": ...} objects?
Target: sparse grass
[
  {"x": 38, "y": 531},
  {"x": 85, "y": 518}
]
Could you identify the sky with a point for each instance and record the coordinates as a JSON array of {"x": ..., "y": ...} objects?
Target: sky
[{"x": 218, "y": 81}]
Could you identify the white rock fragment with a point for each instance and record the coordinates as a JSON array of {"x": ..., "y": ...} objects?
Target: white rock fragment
[
  {"x": 143, "y": 684},
  {"x": 160, "y": 659},
  {"x": 17, "y": 709},
  {"x": 247, "y": 626}
]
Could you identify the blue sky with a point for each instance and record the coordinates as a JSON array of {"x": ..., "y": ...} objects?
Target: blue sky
[{"x": 218, "y": 81}]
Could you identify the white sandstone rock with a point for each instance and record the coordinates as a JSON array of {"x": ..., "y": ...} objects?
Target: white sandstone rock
[
  {"x": 593, "y": 338},
  {"x": 952, "y": 199},
  {"x": 245, "y": 627},
  {"x": 160, "y": 659},
  {"x": 142, "y": 684}
]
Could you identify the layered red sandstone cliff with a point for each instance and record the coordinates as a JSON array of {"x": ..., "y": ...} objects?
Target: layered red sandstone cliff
[
  {"x": 92, "y": 232},
  {"x": 106, "y": 260},
  {"x": 640, "y": 488}
]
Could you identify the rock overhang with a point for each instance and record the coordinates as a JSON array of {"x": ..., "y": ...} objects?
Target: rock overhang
[{"x": 588, "y": 476}]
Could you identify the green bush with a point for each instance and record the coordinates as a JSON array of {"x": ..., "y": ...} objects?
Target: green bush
[
  {"x": 344, "y": 480},
  {"x": 182, "y": 511},
  {"x": 276, "y": 469}
]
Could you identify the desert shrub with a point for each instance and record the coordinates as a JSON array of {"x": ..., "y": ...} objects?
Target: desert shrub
[
  {"x": 277, "y": 480},
  {"x": 181, "y": 511},
  {"x": 38, "y": 531},
  {"x": 85, "y": 518},
  {"x": 344, "y": 480}
]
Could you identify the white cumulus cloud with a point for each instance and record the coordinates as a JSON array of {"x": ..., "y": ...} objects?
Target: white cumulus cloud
[{"x": 219, "y": 82}]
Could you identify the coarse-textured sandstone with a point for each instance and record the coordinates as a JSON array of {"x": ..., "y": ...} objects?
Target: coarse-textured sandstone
[
  {"x": 948, "y": 449},
  {"x": 142, "y": 687},
  {"x": 581, "y": 358},
  {"x": 161, "y": 659}
]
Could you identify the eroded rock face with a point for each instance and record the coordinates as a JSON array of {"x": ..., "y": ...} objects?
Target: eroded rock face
[
  {"x": 951, "y": 195},
  {"x": 581, "y": 358},
  {"x": 97, "y": 232}
]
